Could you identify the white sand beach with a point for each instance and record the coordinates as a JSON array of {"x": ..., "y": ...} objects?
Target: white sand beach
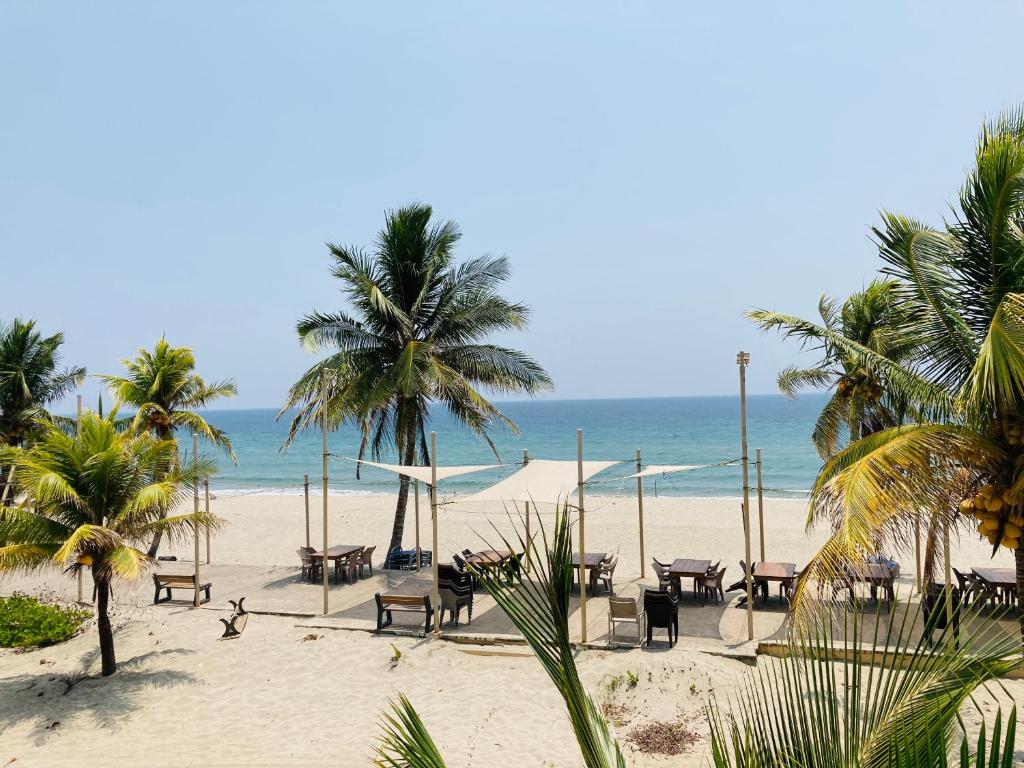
[{"x": 290, "y": 692}]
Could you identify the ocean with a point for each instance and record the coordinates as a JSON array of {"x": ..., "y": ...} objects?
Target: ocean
[{"x": 679, "y": 430}]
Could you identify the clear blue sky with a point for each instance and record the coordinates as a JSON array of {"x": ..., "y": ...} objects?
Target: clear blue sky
[{"x": 651, "y": 169}]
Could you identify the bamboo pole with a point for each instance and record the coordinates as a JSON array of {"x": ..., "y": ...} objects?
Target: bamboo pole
[
  {"x": 435, "y": 592},
  {"x": 760, "y": 500},
  {"x": 640, "y": 513},
  {"x": 206, "y": 508},
  {"x": 195, "y": 510},
  {"x": 583, "y": 551},
  {"x": 917, "y": 551},
  {"x": 416, "y": 508},
  {"x": 949, "y": 571},
  {"x": 305, "y": 494},
  {"x": 323, "y": 429},
  {"x": 526, "y": 506},
  {"x": 78, "y": 431},
  {"x": 742, "y": 359}
]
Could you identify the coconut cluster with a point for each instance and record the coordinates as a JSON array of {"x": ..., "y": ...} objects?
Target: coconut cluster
[{"x": 998, "y": 515}]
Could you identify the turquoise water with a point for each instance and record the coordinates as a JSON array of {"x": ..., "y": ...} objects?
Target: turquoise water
[{"x": 684, "y": 430}]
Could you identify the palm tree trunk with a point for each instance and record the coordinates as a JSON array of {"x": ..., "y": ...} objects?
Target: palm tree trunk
[
  {"x": 1018, "y": 557},
  {"x": 408, "y": 457},
  {"x": 103, "y": 625},
  {"x": 164, "y": 433}
]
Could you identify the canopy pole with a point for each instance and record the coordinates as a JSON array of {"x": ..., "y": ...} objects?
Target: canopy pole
[
  {"x": 583, "y": 551},
  {"x": 435, "y": 596},
  {"x": 949, "y": 571},
  {"x": 640, "y": 512},
  {"x": 206, "y": 507},
  {"x": 760, "y": 500},
  {"x": 742, "y": 359},
  {"x": 416, "y": 507},
  {"x": 305, "y": 493},
  {"x": 323, "y": 430},
  {"x": 78, "y": 431},
  {"x": 526, "y": 505},
  {"x": 917, "y": 551},
  {"x": 195, "y": 510}
]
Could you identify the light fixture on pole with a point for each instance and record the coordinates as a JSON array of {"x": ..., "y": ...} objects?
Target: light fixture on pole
[{"x": 743, "y": 360}]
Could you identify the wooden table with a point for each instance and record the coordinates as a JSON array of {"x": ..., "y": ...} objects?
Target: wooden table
[
  {"x": 769, "y": 571},
  {"x": 336, "y": 553},
  {"x": 684, "y": 568},
  {"x": 1003, "y": 579},
  {"x": 877, "y": 575},
  {"x": 488, "y": 558},
  {"x": 590, "y": 562}
]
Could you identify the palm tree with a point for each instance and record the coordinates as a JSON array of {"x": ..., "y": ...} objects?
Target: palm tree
[
  {"x": 964, "y": 284},
  {"x": 825, "y": 706},
  {"x": 90, "y": 500},
  {"x": 165, "y": 391},
  {"x": 538, "y": 605},
  {"x": 861, "y": 403},
  {"x": 29, "y": 380},
  {"x": 415, "y": 336}
]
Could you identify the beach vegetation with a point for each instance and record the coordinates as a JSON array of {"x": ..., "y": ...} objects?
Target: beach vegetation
[
  {"x": 31, "y": 378},
  {"x": 166, "y": 394},
  {"x": 90, "y": 499},
  {"x": 27, "y": 622},
  {"x": 415, "y": 335}
]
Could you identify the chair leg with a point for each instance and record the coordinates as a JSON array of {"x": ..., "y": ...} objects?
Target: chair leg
[{"x": 650, "y": 633}]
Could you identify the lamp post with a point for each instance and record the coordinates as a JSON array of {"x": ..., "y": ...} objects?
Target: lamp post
[{"x": 743, "y": 360}]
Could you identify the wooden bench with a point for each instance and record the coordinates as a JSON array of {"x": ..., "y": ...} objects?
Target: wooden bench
[
  {"x": 406, "y": 603},
  {"x": 169, "y": 581}
]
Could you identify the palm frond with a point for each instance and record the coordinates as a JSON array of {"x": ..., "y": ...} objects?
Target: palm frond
[{"x": 406, "y": 743}]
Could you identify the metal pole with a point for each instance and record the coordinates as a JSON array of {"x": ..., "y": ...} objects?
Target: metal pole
[
  {"x": 206, "y": 507},
  {"x": 640, "y": 512},
  {"x": 435, "y": 593},
  {"x": 195, "y": 509},
  {"x": 742, "y": 359},
  {"x": 526, "y": 506},
  {"x": 78, "y": 431},
  {"x": 416, "y": 506},
  {"x": 305, "y": 493},
  {"x": 583, "y": 551},
  {"x": 760, "y": 500},
  {"x": 323, "y": 430}
]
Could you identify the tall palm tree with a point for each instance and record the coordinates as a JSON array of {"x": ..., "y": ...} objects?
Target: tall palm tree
[
  {"x": 861, "y": 403},
  {"x": 30, "y": 380},
  {"x": 964, "y": 283},
  {"x": 90, "y": 499},
  {"x": 165, "y": 391},
  {"x": 414, "y": 336}
]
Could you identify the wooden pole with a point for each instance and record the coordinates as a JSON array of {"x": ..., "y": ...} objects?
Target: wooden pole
[
  {"x": 305, "y": 493},
  {"x": 416, "y": 507},
  {"x": 195, "y": 510},
  {"x": 526, "y": 506},
  {"x": 78, "y": 431},
  {"x": 323, "y": 429},
  {"x": 583, "y": 551},
  {"x": 640, "y": 513},
  {"x": 760, "y": 500},
  {"x": 949, "y": 571},
  {"x": 917, "y": 551},
  {"x": 742, "y": 359},
  {"x": 435, "y": 592},
  {"x": 206, "y": 508}
]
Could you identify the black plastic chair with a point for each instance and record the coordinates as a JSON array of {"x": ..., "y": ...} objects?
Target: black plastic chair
[
  {"x": 662, "y": 610},
  {"x": 935, "y": 617}
]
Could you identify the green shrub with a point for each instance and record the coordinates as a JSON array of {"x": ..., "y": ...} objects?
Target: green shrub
[{"x": 25, "y": 622}]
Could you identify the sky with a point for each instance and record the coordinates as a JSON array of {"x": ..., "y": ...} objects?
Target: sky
[{"x": 651, "y": 169}]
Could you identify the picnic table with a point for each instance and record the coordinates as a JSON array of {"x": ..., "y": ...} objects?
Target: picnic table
[
  {"x": 337, "y": 553},
  {"x": 591, "y": 560},
  {"x": 685, "y": 568},
  {"x": 1003, "y": 579}
]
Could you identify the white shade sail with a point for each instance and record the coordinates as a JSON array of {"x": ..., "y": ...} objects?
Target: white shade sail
[
  {"x": 541, "y": 481},
  {"x": 423, "y": 474},
  {"x": 667, "y": 469}
]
